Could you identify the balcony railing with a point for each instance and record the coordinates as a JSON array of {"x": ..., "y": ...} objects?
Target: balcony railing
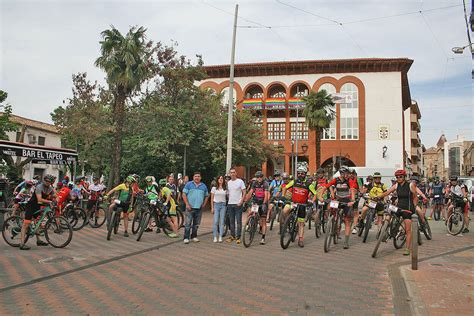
[
  {"x": 253, "y": 104},
  {"x": 273, "y": 104}
]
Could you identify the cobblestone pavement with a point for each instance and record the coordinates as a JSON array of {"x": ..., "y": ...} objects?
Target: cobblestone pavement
[{"x": 159, "y": 275}]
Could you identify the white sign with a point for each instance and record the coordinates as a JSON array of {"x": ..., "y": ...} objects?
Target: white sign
[
  {"x": 341, "y": 97},
  {"x": 384, "y": 132}
]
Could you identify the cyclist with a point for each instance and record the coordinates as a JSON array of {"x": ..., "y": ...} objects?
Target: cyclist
[
  {"x": 259, "y": 193},
  {"x": 63, "y": 196},
  {"x": 78, "y": 189},
  {"x": 437, "y": 193},
  {"x": 96, "y": 190},
  {"x": 319, "y": 185},
  {"x": 301, "y": 188},
  {"x": 43, "y": 195},
  {"x": 125, "y": 197},
  {"x": 423, "y": 187},
  {"x": 169, "y": 207},
  {"x": 343, "y": 190},
  {"x": 407, "y": 200},
  {"x": 420, "y": 194},
  {"x": 23, "y": 195},
  {"x": 376, "y": 189},
  {"x": 459, "y": 191},
  {"x": 275, "y": 187}
]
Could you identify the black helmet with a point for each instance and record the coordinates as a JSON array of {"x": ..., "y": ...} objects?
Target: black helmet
[
  {"x": 258, "y": 174},
  {"x": 49, "y": 177},
  {"x": 453, "y": 178},
  {"x": 320, "y": 170},
  {"x": 343, "y": 169}
]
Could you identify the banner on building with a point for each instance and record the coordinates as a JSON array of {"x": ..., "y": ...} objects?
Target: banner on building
[
  {"x": 38, "y": 153},
  {"x": 341, "y": 97}
]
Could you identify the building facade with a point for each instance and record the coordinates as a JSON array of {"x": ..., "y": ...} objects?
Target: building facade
[
  {"x": 368, "y": 130},
  {"x": 37, "y": 133},
  {"x": 413, "y": 146}
]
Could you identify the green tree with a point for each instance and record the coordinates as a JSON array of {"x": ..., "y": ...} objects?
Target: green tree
[
  {"x": 319, "y": 113},
  {"x": 128, "y": 62}
]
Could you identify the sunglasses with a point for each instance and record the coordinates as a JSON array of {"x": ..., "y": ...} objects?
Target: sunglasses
[
  {"x": 259, "y": 177},
  {"x": 400, "y": 177}
]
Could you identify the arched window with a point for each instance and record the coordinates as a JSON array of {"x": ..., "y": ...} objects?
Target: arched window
[
  {"x": 277, "y": 91},
  {"x": 329, "y": 133},
  {"x": 254, "y": 92},
  {"x": 299, "y": 90},
  {"x": 225, "y": 97},
  {"x": 350, "y": 113}
]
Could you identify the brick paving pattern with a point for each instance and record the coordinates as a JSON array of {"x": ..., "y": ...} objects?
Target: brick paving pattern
[{"x": 207, "y": 278}]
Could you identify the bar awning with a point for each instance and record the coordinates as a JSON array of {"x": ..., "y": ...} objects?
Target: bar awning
[{"x": 39, "y": 154}]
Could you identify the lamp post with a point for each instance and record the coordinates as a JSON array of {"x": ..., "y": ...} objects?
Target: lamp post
[
  {"x": 292, "y": 156},
  {"x": 460, "y": 50}
]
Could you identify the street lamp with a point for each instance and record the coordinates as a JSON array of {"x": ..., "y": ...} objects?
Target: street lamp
[
  {"x": 460, "y": 50},
  {"x": 384, "y": 151},
  {"x": 292, "y": 156}
]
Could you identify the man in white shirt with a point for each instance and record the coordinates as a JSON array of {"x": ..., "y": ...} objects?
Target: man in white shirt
[{"x": 236, "y": 189}]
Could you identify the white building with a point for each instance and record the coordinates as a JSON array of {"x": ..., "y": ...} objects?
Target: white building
[
  {"x": 369, "y": 129},
  {"x": 37, "y": 133}
]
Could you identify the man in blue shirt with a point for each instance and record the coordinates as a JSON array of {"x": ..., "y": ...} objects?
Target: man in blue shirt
[{"x": 195, "y": 196}]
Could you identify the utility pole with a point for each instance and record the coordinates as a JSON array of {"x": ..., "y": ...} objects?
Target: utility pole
[
  {"x": 231, "y": 95},
  {"x": 184, "y": 162},
  {"x": 296, "y": 130}
]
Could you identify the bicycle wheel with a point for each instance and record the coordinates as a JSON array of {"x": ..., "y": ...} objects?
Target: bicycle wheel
[
  {"x": 249, "y": 231},
  {"x": 71, "y": 217},
  {"x": 420, "y": 241},
  {"x": 337, "y": 230},
  {"x": 55, "y": 232},
  {"x": 317, "y": 224},
  {"x": 324, "y": 221},
  {"x": 111, "y": 223},
  {"x": 427, "y": 229},
  {"x": 399, "y": 235},
  {"x": 11, "y": 231},
  {"x": 274, "y": 215},
  {"x": 381, "y": 236},
  {"x": 117, "y": 223},
  {"x": 145, "y": 218},
  {"x": 97, "y": 217},
  {"x": 309, "y": 218},
  {"x": 455, "y": 223},
  {"x": 329, "y": 234},
  {"x": 437, "y": 213},
  {"x": 287, "y": 231},
  {"x": 137, "y": 218},
  {"x": 367, "y": 226},
  {"x": 180, "y": 218}
]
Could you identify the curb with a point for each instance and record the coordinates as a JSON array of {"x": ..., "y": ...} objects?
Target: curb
[{"x": 406, "y": 300}]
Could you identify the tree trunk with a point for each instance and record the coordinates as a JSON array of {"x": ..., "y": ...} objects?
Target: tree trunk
[
  {"x": 318, "y": 147},
  {"x": 119, "y": 118}
]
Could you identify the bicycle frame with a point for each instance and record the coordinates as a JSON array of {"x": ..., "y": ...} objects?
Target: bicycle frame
[{"x": 34, "y": 223}]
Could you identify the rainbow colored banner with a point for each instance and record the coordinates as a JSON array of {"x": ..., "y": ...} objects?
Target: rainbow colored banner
[
  {"x": 275, "y": 104},
  {"x": 294, "y": 103},
  {"x": 254, "y": 104}
]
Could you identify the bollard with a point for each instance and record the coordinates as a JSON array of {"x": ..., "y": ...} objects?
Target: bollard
[{"x": 414, "y": 242}]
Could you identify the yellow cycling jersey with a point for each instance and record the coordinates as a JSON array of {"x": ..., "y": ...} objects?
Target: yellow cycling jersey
[{"x": 377, "y": 190}]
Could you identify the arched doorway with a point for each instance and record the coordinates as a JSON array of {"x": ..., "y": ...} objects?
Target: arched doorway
[{"x": 332, "y": 165}]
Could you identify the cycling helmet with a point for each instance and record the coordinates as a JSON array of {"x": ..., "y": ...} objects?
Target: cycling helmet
[
  {"x": 59, "y": 185},
  {"x": 343, "y": 169},
  {"x": 377, "y": 175},
  {"x": 301, "y": 169},
  {"x": 277, "y": 174},
  {"x": 49, "y": 178},
  {"x": 393, "y": 180},
  {"x": 415, "y": 177},
  {"x": 284, "y": 175},
  {"x": 369, "y": 178},
  {"x": 353, "y": 171},
  {"x": 36, "y": 177},
  {"x": 162, "y": 182},
  {"x": 453, "y": 178},
  {"x": 130, "y": 179},
  {"x": 320, "y": 171},
  {"x": 149, "y": 179},
  {"x": 258, "y": 174},
  {"x": 136, "y": 176},
  {"x": 400, "y": 172},
  {"x": 70, "y": 185}
]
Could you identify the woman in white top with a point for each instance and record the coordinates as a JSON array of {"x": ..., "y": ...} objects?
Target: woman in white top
[{"x": 218, "y": 201}]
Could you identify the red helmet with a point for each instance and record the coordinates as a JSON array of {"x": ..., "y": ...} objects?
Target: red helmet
[
  {"x": 400, "y": 172},
  {"x": 59, "y": 185}
]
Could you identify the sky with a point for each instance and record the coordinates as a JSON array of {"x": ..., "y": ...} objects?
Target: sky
[{"x": 42, "y": 43}]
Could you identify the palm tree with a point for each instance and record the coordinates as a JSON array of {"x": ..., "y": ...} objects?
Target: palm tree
[
  {"x": 125, "y": 60},
  {"x": 319, "y": 113}
]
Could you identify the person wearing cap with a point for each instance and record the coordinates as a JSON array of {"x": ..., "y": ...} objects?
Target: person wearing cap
[
  {"x": 275, "y": 187},
  {"x": 259, "y": 194},
  {"x": 407, "y": 200},
  {"x": 125, "y": 196},
  {"x": 376, "y": 189},
  {"x": 342, "y": 189},
  {"x": 301, "y": 190},
  {"x": 461, "y": 193}
]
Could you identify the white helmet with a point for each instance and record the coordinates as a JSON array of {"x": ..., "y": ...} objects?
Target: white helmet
[{"x": 302, "y": 169}]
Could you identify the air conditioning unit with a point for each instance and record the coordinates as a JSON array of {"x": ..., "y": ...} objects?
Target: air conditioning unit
[{"x": 32, "y": 139}]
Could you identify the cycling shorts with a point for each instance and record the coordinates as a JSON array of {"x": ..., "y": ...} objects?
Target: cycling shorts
[
  {"x": 406, "y": 214},
  {"x": 262, "y": 211},
  {"x": 124, "y": 206},
  {"x": 31, "y": 211},
  {"x": 301, "y": 212},
  {"x": 170, "y": 211},
  {"x": 438, "y": 201}
]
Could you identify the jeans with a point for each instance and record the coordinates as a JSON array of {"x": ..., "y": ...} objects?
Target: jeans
[
  {"x": 235, "y": 214},
  {"x": 192, "y": 217},
  {"x": 219, "y": 216}
]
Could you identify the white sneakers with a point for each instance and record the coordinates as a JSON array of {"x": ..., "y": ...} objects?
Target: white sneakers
[
  {"x": 195, "y": 239},
  {"x": 220, "y": 239},
  {"x": 186, "y": 241},
  {"x": 215, "y": 239}
]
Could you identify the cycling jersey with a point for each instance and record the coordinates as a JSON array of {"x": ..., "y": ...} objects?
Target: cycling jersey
[
  {"x": 276, "y": 185},
  {"x": 33, "y": 205},
  {"x": 125, "y": 193},
  {"x": 288, "y": 193},
  {"x": 95, "y": 191},
  {"x": 376, "y": 190},
  {"x": 151, "y": 192},
  {"x": 438, "y": 189},
  {"x": 259, "y": 189},
  {"x": 63, "y": 195},
  {"x": 301, "y": 190},
  {"x": 343, "y": 188},
  {"x": 423, "y": 187},
  {"x": 165, "y": 192}
]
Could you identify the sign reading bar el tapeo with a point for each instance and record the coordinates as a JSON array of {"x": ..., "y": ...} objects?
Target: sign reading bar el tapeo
[{"x": 37, "y": 154}]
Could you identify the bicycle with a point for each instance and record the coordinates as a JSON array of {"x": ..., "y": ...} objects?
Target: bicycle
[
  {"x": 278, "y": 206},
  {"x": 424, "y": 227},
  {"x": 154, "y": 210},
  {"x": 321, "y": 219},
  {"x": 56, "y": 229},
  {"x": 114, "y": 220},
  {"x": 96, "y": 215},
  {"x": 309, "y": 213},
  {"x": 334, "y": 223},
  {"x": 250, "y": 228},
  {"x": 363, "y": 230},
  {"x": 290, "y": 227},
  {"x": 437, "y": 204},
  {"x": 76, "y": 215},
  {"x": 455, "y": 221}
]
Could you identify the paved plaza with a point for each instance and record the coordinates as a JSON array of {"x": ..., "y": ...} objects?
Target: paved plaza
[{"x": 159, "y": 275}]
